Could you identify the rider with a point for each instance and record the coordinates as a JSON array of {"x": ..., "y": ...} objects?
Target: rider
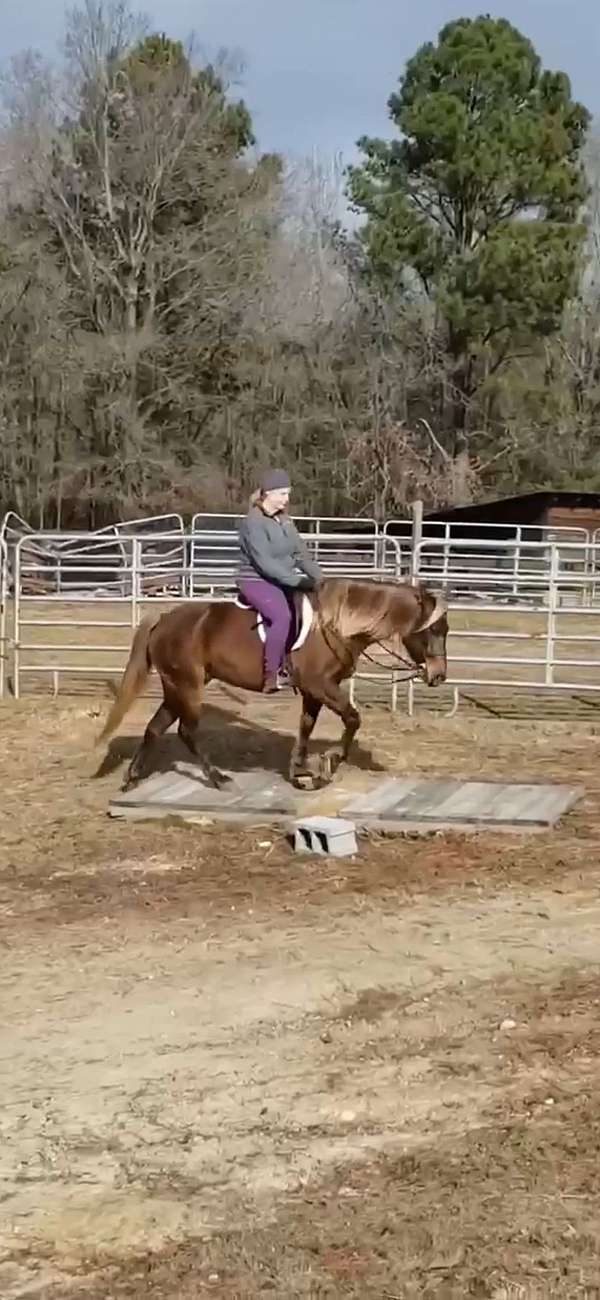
[{"x": 274, "y": 563}]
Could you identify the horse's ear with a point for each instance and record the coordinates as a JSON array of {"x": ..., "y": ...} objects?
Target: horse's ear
[{"x": 440, "y": 607}]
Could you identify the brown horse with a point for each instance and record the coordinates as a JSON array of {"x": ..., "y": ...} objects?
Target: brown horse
[{"x": 199, "y": 642}]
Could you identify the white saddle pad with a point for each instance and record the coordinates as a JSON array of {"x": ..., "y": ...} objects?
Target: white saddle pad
[{"x": 305, "y": 626}]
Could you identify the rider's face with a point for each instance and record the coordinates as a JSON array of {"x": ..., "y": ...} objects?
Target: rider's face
[{"x": 276, "y": 501}]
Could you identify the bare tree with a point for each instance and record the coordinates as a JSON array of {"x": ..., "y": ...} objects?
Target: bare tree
[
  {"x": 177, "y": 310},
  {"x": 146, "y": 209}
]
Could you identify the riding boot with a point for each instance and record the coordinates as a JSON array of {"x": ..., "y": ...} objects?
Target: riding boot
[{"x": 276, "y": 682}]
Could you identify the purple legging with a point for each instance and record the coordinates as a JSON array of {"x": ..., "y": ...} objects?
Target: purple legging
[{"x": 275, "y": 606}]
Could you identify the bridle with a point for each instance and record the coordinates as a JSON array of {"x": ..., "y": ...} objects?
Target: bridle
[
  {"x": 414, "y": 671},
  {"x": 403, "y": 663},
  {"x": 400, "y": 662}
]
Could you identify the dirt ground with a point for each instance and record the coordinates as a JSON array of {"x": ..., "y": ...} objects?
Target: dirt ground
[{"x": 233, "y": 1072}]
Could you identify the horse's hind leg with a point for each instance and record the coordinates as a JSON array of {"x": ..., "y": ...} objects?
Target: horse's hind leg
[
  {"x": 189, "y": 714},
  {"x": 140, "y": 763}
]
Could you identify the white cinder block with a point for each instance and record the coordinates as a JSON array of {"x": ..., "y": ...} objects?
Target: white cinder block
[{"x": 325, "y": 835}]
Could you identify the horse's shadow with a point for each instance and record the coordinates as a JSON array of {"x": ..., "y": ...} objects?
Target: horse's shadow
[{"x": 232, "y": 743}]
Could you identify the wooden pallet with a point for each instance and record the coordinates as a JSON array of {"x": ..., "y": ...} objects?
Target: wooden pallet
[
  {"x": 250, "y": 797},
  {"x": 417, "y": 804},
  {"x": 392, "y": 805}
]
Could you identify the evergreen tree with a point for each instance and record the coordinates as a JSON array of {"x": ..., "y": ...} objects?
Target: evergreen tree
[{"x": 477, "y": 205}]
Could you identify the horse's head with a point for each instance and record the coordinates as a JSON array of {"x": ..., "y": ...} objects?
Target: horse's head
[
  {"x": 406, "y": 617},
  {"x": 426, "y": 642}
]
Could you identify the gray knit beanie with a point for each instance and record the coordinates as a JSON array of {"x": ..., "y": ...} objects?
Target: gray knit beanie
[{"x": 274, "y": 479}]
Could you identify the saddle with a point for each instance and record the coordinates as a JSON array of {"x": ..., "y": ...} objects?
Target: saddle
[{"x": 303, "y": 619}]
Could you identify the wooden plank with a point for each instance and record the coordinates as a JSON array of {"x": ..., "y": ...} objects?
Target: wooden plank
[
  {"x": 189, "y": 783},
  {"x": 424, "y": 828},
  {"x": 249, "y": 795},
  {"x": 429, "y": 798},
  {"x": 496, "y": 804},
  {"x": 534, "y": 817},
  {"x": 169, "y": 790},
  {"x": 551, "y": 802},
  {"x": 263, "y": 791},
  {"x": 467, "y": 802},
  {"x": 152, "y": 786},
  {"x": 473, "y": 799},
  {"x": 382, "y": 797},
  {"x": 182, "y": 789},
  {"x": 532, "y": 804},
  {"x": 227, "y": 815},
  {"x": 274, "y": 801},
  {"x": 398, "y": 796},
  {"x": 501, "y": 802},
  {"x": 518, "y": 803}
]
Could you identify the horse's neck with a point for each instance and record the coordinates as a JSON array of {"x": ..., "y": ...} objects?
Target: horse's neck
[{"x": 361, "y": 641}]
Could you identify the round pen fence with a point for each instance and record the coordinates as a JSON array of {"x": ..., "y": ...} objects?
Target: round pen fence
[
  {"x": 4, "y": 645},
  {"x": 524, "y": 601}
]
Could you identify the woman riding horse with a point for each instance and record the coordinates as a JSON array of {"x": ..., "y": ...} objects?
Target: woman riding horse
[
  {"x": 274, "y": 563},
  {"x": 198, "y": 642}
]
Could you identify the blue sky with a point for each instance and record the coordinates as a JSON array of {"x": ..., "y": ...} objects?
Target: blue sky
[{"x": 318, "y": 72}]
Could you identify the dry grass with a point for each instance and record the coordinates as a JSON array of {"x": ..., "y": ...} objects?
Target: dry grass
[
  {"x": 506, "y": 1208},
  {"x": 56, "y": 786},
  {"x": 234, "y": 1073},
  {"x": 382, "y": 1231}
]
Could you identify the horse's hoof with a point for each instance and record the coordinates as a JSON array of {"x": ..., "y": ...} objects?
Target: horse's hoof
[
  {"x": 220, "y": 780},
  {"x": 303, "y": 780}
]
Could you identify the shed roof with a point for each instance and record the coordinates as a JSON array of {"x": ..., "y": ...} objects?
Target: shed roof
[{"x": 526, "y": 507}]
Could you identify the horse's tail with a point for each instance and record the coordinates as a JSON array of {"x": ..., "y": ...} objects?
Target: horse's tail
[{"x": 134, "y": 678}]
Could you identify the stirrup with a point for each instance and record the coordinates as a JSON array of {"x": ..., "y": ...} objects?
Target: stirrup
[{"x": 276, "y": 682}]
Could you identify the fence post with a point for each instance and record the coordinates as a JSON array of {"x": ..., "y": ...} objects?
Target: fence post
[
  {"x": 553, "y": 605},
  {"x": 381, "y": 550},
  {"x": 136, "y": 583},
  {"x": 3, "y": 604},
  {"x": 416, "y": 539},
  {"x": 190, "y": 555},
  {"x": 517, "y": 561},
  {"x": 17, "y": 622},
  {"x": 411, "y": 697},
  {"x": 588, "y": 576},
  {"x": 447, "y": 541}
]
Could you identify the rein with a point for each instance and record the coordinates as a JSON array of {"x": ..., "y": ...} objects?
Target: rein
[
  {"x": 413, "y": 669},
  {"x": 346, "y": 657},
  {"x": 350, "y": 660}
]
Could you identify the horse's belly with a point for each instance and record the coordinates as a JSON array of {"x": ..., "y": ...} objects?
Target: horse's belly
[{"x": 236, "y": 657}]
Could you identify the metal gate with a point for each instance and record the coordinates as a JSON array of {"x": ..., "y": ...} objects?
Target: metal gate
[
  {"x": 525, "y": 612},
  {"x": 76, "y": 597}
]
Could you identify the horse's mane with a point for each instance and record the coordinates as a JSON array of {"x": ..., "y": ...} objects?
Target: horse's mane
[{"x": 363, "y": 606}]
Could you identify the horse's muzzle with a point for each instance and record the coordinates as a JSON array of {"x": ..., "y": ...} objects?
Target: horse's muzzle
[{"x": 435, "y": 672}]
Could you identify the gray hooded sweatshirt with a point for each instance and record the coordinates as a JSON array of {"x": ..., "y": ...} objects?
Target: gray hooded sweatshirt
[{"x": 272, "y": 548}]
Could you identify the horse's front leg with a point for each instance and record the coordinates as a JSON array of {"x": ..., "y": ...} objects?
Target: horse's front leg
[
  {"x": 299, "y": 769},
  {"x": 339, "y": 703}
]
